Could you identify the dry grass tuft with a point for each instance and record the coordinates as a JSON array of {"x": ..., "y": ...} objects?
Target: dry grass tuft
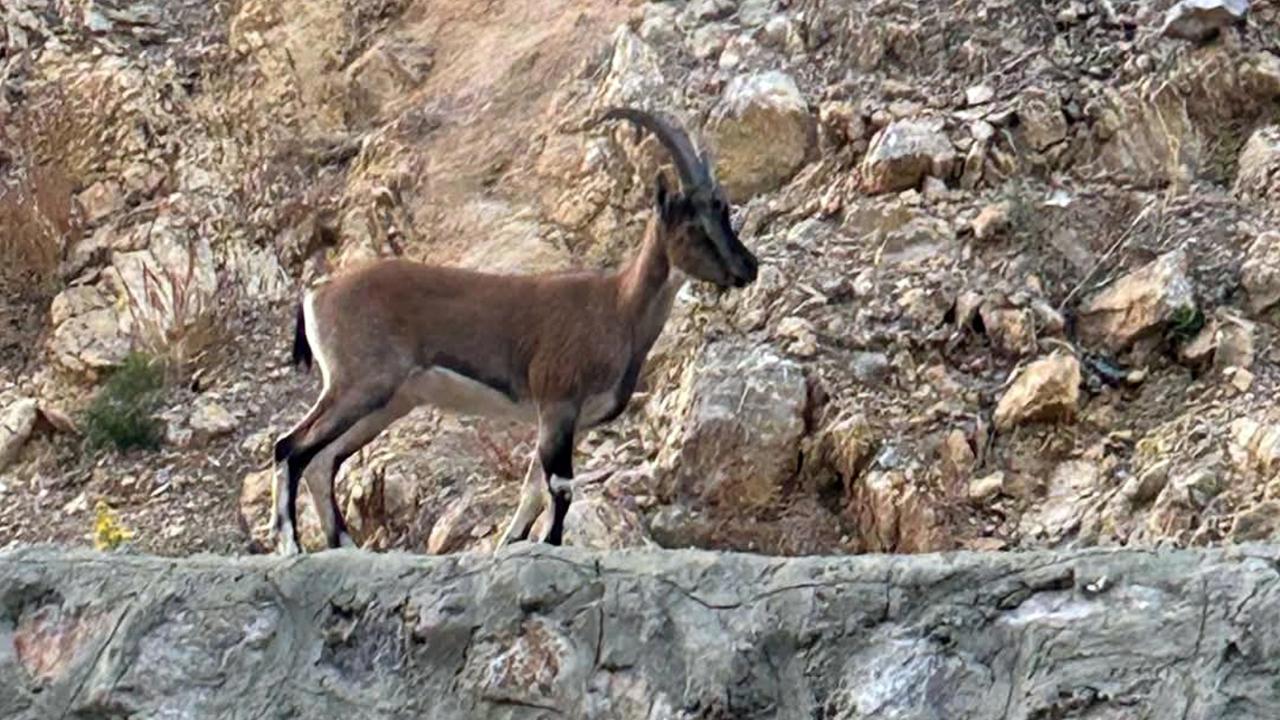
[{"x": 174, "y": 320}]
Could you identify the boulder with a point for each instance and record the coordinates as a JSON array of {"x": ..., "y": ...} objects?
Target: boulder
[
  {"x": 1141, "y": 302},
  {"x": 903, "y": 153},
  {"x": 87, "y": 336},
  {"x": 1258, "y": 168},
  {"x": 17, "y": 421},
  {"x": 743, "y": 429},
  {"x": 760, "y": 132},
  {"x": 602, "y": 523},
  {"x": 1260, "y": 273},
  {"x": 1046, "y": 389},
  {"x": 464, "y": 522},
  {"x": 1200, "y": 20}
]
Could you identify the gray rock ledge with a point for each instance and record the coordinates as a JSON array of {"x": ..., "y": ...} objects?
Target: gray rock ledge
[{"x": 563, "y": 633}]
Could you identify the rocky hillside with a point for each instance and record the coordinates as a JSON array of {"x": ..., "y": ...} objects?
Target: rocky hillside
[
  {"x": 636, "y": 634},
  {"x": 1019, "y": 288}
]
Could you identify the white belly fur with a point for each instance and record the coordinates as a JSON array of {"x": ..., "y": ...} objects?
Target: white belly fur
[{"x": 459, "y": 394}]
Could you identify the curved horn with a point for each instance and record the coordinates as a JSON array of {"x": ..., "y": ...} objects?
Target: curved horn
[{"x": 693, "y": 173}]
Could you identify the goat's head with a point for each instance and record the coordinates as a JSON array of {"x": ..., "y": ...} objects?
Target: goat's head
[{"x": 695, "y": 221}]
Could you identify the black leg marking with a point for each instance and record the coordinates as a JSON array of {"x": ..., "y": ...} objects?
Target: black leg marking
[
  {"x": 556, "y": 452},
  {"x": 304, "y": 444}
]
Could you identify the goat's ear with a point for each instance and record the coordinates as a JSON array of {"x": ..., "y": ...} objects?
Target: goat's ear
[{"x": 662, "y": 195}]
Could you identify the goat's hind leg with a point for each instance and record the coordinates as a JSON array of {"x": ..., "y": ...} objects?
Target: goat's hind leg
[
  {"x": 332, "y": 417},
  {"x": 328, "y": 462}
]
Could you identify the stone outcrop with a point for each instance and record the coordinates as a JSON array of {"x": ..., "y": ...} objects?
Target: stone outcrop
[
  {"x": 761, "y": 133},
  {"x": 1139, "y": 303},
  {"x": 1047, "y": 389},
  {"x": 536, "y": 632},
  {"x": 742, "y": 436},
  {"x": 903, "y": 154}
]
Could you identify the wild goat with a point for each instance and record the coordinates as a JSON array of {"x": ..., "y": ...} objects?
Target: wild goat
[{"x": 563, "y": 349}]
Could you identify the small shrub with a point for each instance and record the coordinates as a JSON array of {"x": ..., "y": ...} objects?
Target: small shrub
[
  {"x": 1187, "y": 321},
  {"x": 122, "y": 414}
]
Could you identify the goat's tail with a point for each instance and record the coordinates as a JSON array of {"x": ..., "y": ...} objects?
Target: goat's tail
[{"x": 301, "y": 348}]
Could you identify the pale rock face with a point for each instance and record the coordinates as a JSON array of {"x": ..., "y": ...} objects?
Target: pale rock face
[
  {"x": 87, "y": 336},
  {"x": 17, "y": 420},
  {"x": 760, "y": 133},
  {"x": 1258, "y": 168},
  {"x": 1046, "y": 389},
  {"x": 904, "y": 153},
  {"x": 1199, "y": 20},
  {"x": 1260, "y": 273},
  {"x": 744, "y": 427},
  {"x": 635, "y": 74},
  {"x": 1138, "y": 303}
]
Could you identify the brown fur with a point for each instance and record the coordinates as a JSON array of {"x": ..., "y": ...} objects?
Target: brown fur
[{"x": 566, "y": 346}]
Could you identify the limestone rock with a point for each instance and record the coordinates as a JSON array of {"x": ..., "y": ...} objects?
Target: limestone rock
[
  {"x": 1260, "y": 273},
  {"x": 903, "y": 153},
  {"x": 1225, "y": 339},
  {"x": 1254, "y": 447},
  {"x": 1048, "y": 388},
  {"x": 1138, "y": 303},
  {"x": 1200, "y": 20},
  {"x": 986, "y": 488},
  {"x": 87, "y": 336},
  {"x": 1258, "y": 169},
  {"x": 465, "y": 520},
  {"x": 170, "y": 292},
  {"x": 743, "y": 430},
  {"x": 760, "y": 133},
  {"x": 17, "y": 420},
  {"x": 1012, "y": 329},
  {"x": 640, "y": 634}
]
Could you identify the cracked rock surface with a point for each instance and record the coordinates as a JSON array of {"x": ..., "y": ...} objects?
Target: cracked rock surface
[{"x": 542, "y": 633}]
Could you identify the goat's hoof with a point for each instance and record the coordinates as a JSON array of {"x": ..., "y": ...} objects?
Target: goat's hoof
[
  {"x": 287, "y": 548},
  {"x": 345, "y": 541}
]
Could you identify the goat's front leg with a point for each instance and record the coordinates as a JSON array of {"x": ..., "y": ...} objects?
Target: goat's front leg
[
  {"x": 532, "y": 501},
  {"x": 555, "y": 448}
]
